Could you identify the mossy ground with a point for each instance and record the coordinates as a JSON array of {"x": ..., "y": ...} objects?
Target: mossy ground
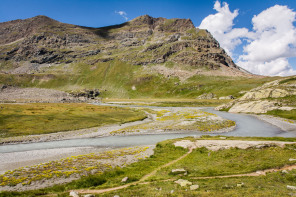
[
  {"x": 180, "y": 120},
  {"x": 41, "y": 118},
  {"x": 283, "y": 114}
]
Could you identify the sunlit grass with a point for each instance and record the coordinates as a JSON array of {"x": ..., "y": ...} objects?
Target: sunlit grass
[
  {"x": 37, "y": 118},
  {"x": 283, "y": 114}
]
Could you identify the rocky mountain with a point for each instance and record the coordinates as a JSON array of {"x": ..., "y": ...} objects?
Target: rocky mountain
[
  {"x": 144, "y": 40},
  {"x": 147, "y": 49}
]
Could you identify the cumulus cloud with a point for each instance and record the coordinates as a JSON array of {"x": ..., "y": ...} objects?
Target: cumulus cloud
[
  {"x": 274, "y": 42},
  {"x": 221, "y": 26},
  {"x": 270, "y": 43},
  {"x": 123, "y": 14}
]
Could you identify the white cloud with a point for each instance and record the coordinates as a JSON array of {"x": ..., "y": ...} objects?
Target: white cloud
[
  {"x": 123, "y": 14},
  {"x": 271, "y": 42},
  {"x": 279, "y": 67},
  {"x": 220, "y": 25}
]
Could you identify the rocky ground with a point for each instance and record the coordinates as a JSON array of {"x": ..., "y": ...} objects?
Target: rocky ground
[
  {"x": 10, "y": 94},
  {"x": 36, "y": 170}
]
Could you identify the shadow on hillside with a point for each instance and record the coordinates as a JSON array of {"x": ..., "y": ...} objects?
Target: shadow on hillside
[{"x": 105, "y": 31}]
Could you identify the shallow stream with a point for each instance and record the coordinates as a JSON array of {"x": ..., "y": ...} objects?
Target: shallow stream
[{"x": 247, "y": 125}]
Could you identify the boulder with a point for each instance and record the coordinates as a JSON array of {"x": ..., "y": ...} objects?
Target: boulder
[
  {"x": 124, "y": 179},
  {"x": 183, "y": 182},
  {"x": 179, "y": 171},
  {"x": 89, "y": 195},
  {"x": 194, "y": 187},
  {"x": 291, "y": 187},
  {"x": 284, "y": 171},
  {"x": 74, "y": 194},
  {"x": 225, "y": 106},
  {"x": 240, "y": 185},
  {"x": 226, "y": 97},
  {"x": 207, "y": 96}
]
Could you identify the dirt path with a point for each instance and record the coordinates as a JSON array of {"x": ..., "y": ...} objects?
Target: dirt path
[
  {"x": 166, "y": 165},
  {"x": 141, "y": 181},
  {"x": 257, "y": 173},
  {"x": 211, "y": 144}
]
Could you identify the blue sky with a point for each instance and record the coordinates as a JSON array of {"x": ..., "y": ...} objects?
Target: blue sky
[{"x": 98, "y": 13}]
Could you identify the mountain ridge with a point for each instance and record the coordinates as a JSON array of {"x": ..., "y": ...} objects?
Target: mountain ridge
[
  {"x": 140, "y": 52},
  {"x": 37, "y": 29}
]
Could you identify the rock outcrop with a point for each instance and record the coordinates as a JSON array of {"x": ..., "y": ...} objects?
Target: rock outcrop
[
  {"x": 278, "y": 94},
  {"x": 207, "y": 96}
]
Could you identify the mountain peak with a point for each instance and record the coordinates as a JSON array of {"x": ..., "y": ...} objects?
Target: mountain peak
[
  {"x": 41, "y": 19},
  {"x": 163, "y": 24}
]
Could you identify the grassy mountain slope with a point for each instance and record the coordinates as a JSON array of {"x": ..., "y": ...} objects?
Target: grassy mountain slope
[{"x": 145, "y": 57}]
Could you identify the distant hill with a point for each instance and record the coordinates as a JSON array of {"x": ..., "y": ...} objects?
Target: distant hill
[{"x": 125, "y": 60}]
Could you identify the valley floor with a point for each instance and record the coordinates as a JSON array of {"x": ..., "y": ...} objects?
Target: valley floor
[{"x": 241, "y": 162}]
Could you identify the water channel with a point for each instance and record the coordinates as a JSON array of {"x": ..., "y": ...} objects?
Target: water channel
[{"x": 247, "y": 125}]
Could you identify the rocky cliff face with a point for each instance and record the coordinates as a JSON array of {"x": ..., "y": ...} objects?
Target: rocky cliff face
[{"x": 25, "y": 45}]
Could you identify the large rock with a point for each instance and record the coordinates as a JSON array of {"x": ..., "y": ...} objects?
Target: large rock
[
  {"x": 74, "y": 194},
  {"x": 291, "y": 187},
  {"x": 225, "y": 106},
  {"x": 207, "y": 96},
  {"x": 183, "y": 182},
  {"x": 179, "y": 171},
  {"x": 124, "y": 179},
  {"x": 253, "y": 107},
  {"x": 194, "y": 187},
  {"x": 264, "y": 93},
  {"x": 89, "y": 195},
  {"x": 226, "y": 97}
]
